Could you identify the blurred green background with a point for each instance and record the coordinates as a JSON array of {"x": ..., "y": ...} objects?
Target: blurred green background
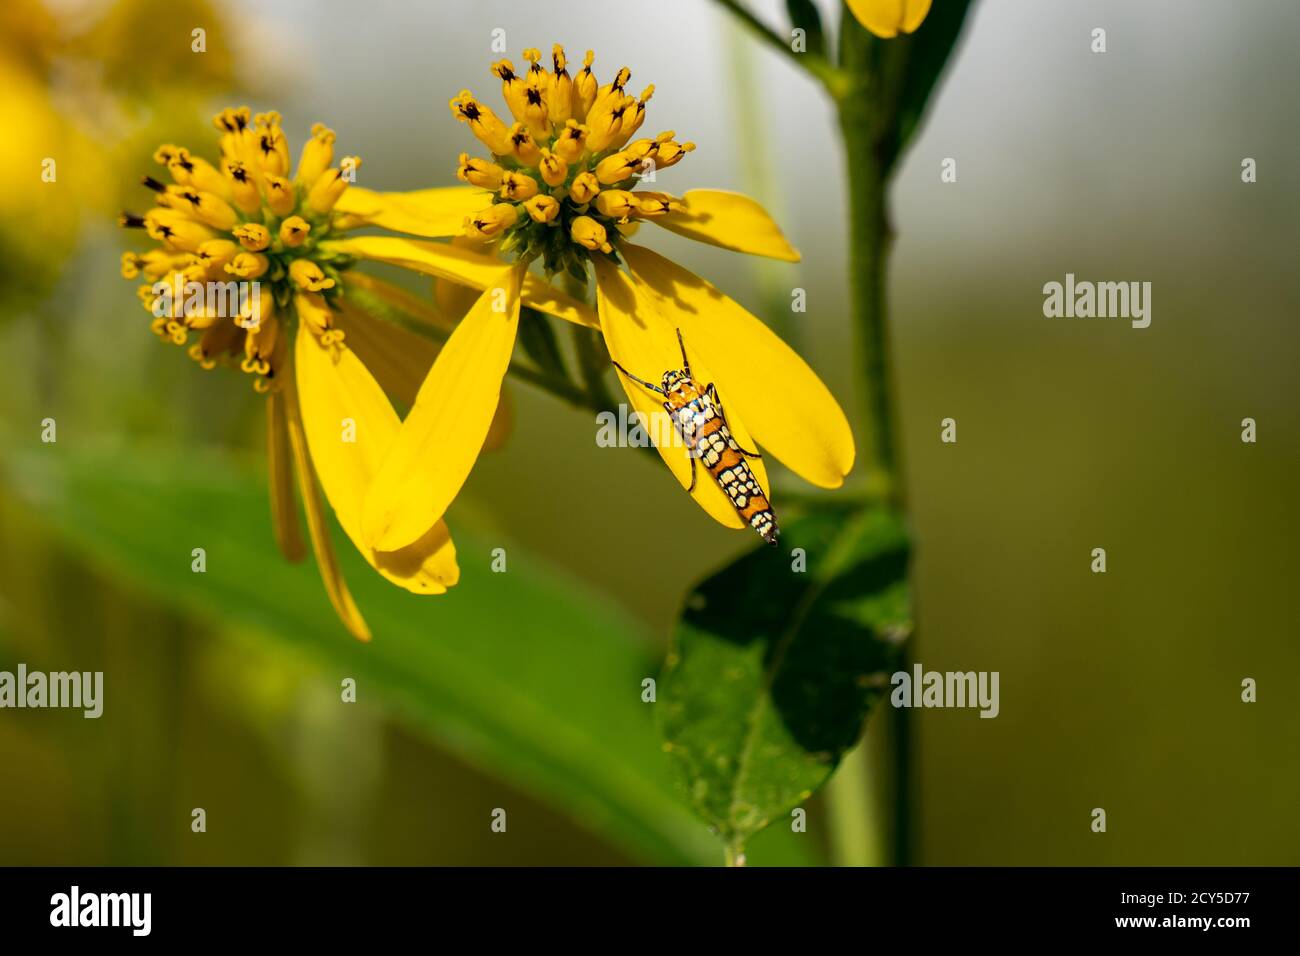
[{"x": 522, "y": 691}]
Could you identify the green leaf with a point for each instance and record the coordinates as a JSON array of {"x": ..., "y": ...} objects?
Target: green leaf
[
  {"x": 526, "y": 673},
  {"x": 803, "y": 14},
  {"x": 773, "y": 670}
]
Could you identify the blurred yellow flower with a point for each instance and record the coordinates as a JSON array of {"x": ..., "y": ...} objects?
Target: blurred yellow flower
[
  {"x": 563, "y": 188},
  {"x": 77, "y": 81},
  {"x": 243, "y": 273},
  {"x": 889, "y": 18}
]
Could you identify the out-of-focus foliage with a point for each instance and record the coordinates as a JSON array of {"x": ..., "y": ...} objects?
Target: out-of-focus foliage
[{"x": 523, "y": 672}]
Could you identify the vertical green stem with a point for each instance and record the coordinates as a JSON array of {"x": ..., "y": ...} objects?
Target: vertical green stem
[
  {"x": 869, "y": 242},
  {"x": 858, "y": 827},
  {"x": 854, "y": 822}
]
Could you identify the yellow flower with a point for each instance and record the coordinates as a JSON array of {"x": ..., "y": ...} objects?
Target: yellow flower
[
  {"x": 245, "y": 274},
  {"x": 888, "y": 18},
  {"x": 771, "y": 397}
]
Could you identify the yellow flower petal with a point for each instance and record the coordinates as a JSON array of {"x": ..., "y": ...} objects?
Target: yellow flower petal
[
  {"x": 730, "y": 220},
  {"x": 888, "y": 18},
  {"x": 761, "y": 380},
  {"x": 643, "y": 339},
  {"x": 350, "y": 427},
  {"x": 337, "y": 589},
  {"x": 279, "y": 461},
  {"x": 445, "y": 430},
  {"x": 458, "y": 264},
  {"x": 423, "y": 212},
  {"x": 400, "y": 359}
]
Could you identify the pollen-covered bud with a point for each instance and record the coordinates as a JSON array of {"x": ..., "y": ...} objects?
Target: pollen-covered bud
[
  {"x": 294, "y": 231},
  {"x": 632, "y": 118},
  {"x": 242, "y": 188},
  {"x": 651, "y": 204},
  {"x": 253, "y": 236},
  {"x": 176, "y": 229},
  {"x": 232, "y": 121},
  {"x": 523, "y": 145},
  {"x": 512, "y": 87},
  {"x": 215, "y": 253},
  {"x": 543, "y": 208},
  {"x": 553, "y": 169},
  {"x": 589, "y": 234},
  {"x": 479, "y": 172},
  {"x": 617, "y": 168},
  {"x": 616, "y": 203},
  {"x": 308, "y": 276},
  {"x": 667, "y": 152},
  {"x": 272, "y": 147},
  {"x": 206, "y": 207},
  {"x": 571, "y": 143},
  {"x": 561, "y": 101},
  {"x": 483, "y": 123},
  {"x": 280, "y": 195},
  {"x": 585, "y": 187},
  {"x": 325, "y": 192},
  {"x": 585, "y": 88},
  {"x": 248, "y": 265},
  {"x": 314, "y": 311},
  {"x": 316, "y": 156},
  {"x": 153, "y": 264},
  {"x": 606, "y": 119},
  {"x": 537, "y": 91},
  {"x": 491, "y": 222},
  {"x": 518, "y": 186},
  {"x": 197, "y": 172}
]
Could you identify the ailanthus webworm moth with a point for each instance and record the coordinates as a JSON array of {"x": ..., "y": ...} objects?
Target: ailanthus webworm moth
[{"x": 697, "y": 414}]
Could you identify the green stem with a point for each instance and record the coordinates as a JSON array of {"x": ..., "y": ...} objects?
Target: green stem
[
  {"x": 856, "y": 823},
  {"x": 832, "y": 78},
  {"x": 869, "y": 243},
  {"x": 853, "y": 823}
]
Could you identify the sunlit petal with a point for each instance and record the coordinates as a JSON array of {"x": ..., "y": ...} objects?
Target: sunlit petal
[
  {"x": 400, "y": 361},
  {"x": 279, "y": 461},
  {"x": 434, "y": 213},
  {"x": 730, "y": 220},
  {"x": 350, "y": 427},
  {"x": 643, "y": 339},
  {"x": 761, "y": 380},
  {"x": 888, "y": 18},
  {"x": 458, "y": 264},
  {"x": 317, "y": 525},
  {"x": 445, "y": 431}
]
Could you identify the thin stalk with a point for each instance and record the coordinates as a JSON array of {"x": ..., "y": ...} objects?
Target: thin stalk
[
  {"x": 821, "y": 68},
  {"x": 853, "y": 824},
  {"x": 858, "y": 828}
]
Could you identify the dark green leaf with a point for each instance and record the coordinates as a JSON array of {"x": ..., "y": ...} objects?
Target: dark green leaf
[
  {"x": 773, "y": 670},
  {"x": 526, "y": 673},
  {"x": 803, "y": 14}
]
